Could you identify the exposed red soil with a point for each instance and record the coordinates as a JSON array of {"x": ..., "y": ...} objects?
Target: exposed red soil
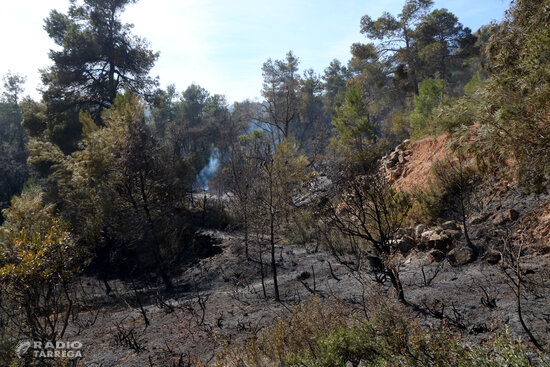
[{"x": 424, "y": 153}]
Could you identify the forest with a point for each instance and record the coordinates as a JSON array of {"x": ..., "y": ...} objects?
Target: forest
[{"x": 394, "y": 210}]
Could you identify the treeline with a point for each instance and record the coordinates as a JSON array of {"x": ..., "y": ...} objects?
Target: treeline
[{"x": 104, "y": 167}]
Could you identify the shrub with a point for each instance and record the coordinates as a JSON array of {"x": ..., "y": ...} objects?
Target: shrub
[
  {"x": 38, "y": 259},
  {"x": 449, "y": 193},
  {"x": 319, "y": 335}
]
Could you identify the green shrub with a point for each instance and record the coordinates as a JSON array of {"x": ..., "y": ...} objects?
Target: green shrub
[{"x": 330, "y": 335}]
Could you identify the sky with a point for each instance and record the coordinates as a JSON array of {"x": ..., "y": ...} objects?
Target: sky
[{"x": 222, "y": 44}]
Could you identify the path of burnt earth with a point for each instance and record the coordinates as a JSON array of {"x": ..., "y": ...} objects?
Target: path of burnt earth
[{"x": 220, "y": 299}]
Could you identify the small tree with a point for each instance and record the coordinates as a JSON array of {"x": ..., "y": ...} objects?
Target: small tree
[
  {"x": 370, "y": 210},
  {"x": 422, "y": 117},
  {"x": 280, "y": 90},
  {"x": 280, "y": 171},
  {"x": 457, "y": 179},
  {"x": 283, "y": 175},
  {"x": 242, "y": 173},
  {"x": 120, "y": 190},
  {"x": 356, "y": 140},
  {"x": 37, "y": 261}
]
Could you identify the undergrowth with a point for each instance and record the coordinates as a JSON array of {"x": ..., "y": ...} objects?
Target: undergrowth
[{"x": 321, "y": 334}]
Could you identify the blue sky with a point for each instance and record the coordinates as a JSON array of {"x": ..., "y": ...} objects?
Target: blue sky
[{"x": 219, "y": 44}]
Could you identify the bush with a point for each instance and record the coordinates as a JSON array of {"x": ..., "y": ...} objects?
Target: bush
[
  {"x": 449, "y": 193},
  {"x": 318, "y": 335},
  {"x": 38, "y": 259}
]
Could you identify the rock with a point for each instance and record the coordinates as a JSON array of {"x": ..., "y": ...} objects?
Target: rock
[
  {"x": 405, "y": 244},
  {"x": 419, "y": 230},
  {"x": 505, "y": 216},
  {"x": 449, "y": 225},
  {"x": 460, "y": 256},
  {"x": 452, "y": 233},
  {"x": 396, "y": 172},
  {"x": 407, "y": 231},
  {"x": 435, "y": 240},
  {"x": 401, "y": 158},
  {"x": 476, "y": 219},
  {"x": 394, "y": 156},
  {"x": 492, "y": 257},
  {"x": 437, "y": 256},
  {"x": 425, "y": 236}
]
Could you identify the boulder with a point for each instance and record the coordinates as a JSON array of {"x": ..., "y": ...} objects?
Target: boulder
[
  {"x": 435, "y": 240},
  {"x": 449, "y": 225},
  {"x": 426, "y": 235},
  {"x": 419, "y": 229},
  {"x": 405, "y": 244},
  {"x": 460, "y": 255},
  {"x": 452, "y": 233},
  {"x": 437, "y": 256},
  {"x": 492, "y": 257}
]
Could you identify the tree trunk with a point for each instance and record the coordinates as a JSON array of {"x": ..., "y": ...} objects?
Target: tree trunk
[
  {"x": 262, "y": 272},
  {"x": 396, "y": 282},
  {"x": 272, "y": 240},
  {"x": 246, "y": 232},
  {"x": 273, "y": 262},
  {"x": 160, "y": 261}
]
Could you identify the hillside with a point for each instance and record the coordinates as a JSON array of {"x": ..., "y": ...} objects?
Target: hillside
[
  {"x": 219, "y": 299},
  {"x": 390, "y": 207}
]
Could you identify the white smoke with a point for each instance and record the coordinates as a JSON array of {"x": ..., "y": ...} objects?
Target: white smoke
[{"x": 207, "y": 173}]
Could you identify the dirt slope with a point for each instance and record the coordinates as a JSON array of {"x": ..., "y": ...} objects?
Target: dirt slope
[{"x": 409, "y": 165}]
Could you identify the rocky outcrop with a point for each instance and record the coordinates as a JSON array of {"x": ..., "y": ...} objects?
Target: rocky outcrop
[{"x": 394, "y": 163}]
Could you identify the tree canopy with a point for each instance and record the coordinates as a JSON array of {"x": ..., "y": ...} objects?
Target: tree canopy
[{"x": 97, "y": 58}]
